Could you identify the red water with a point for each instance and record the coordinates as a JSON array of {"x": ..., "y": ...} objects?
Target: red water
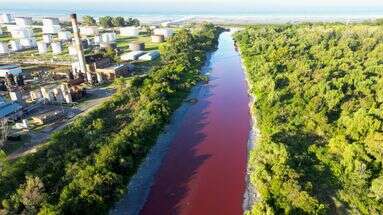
[{"x": 204, "y": 170}]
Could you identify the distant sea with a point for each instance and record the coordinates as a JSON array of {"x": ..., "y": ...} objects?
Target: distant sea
[{"x": 265, "y": 15}]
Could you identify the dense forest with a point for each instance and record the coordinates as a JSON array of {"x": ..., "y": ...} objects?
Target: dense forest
[
  {"x": 318, "y": 92},
  {"x": 85, "y": 168}
]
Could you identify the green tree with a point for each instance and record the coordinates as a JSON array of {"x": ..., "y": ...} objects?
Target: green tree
[
  {"x": 118, "y": 21},
  {"x": 106, "y": 21},
  {"x": 88, "y": 21}
]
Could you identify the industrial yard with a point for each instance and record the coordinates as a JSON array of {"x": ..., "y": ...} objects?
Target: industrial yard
[{"x": 52, "y": 71}]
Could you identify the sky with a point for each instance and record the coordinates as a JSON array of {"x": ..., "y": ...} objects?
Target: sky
[{"x": 197, "y": 5}]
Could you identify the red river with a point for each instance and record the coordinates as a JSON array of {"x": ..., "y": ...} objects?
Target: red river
[{"x": 205, "y": 168}]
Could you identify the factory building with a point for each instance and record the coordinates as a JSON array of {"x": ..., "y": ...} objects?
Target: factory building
[
  {"x": 134, "y": 55},
  {"x": 23, "y": 21},
  {"x": 151, "y": 55},
  {"x": 11, "y": 110},
  {"x": 4, "y": 48},
  {"x": 129, "y": 31},
  {"x": 10, "y": 70}
]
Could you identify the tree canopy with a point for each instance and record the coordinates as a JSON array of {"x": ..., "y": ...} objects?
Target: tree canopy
[{"x": 318, "y": 102}]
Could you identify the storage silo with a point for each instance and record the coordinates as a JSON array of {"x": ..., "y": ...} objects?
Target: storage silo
[
  {"x": 28, "y": 42},
  {"x": 15, "y": 45},
  {"x": 47, "y": 38},
  {"x": 42, "y": 47},
  {"x": 136, "y": 46},
  {"x": 65, "y": 35},
  {"x": 23, "y": 21},
  {"x": 158, "y": 38},
  {"x": 56, "y": 47},
  {"x": 129, "y": 31},
  {"x": 72, "y": 51},
  {"x": 4, "y": 48},
  {"x": 166, "y": 32}
]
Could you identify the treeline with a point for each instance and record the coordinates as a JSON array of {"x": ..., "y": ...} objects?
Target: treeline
[
  {"x": 319, "y": 106},
  {"x": 108, "y": 21},
  {"x": 85, "y": 167}
]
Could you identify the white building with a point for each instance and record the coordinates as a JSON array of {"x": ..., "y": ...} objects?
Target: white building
[
  {"x": 42, "y": 47},
  {"x": 129, "y": 31},
  {"x": 5, "y": 18},
  {"x": 97, "y": 40},
  {"x": 89, "y": 30},
  {"x": 134, "y": 55},
  {"x": 56, "y": 48},
  {"x": 15, "y": 45},
  {"x": 9, "y": 69},
  {"x": 166, "y": 32},
  {"x": 47, "y": 21},
  {"x": 65, "y": 35},
  {"x": 28, "y": 42},
  {"x": 47, "y": 38},
  {"x": 21, "y": 32},
  {"x": 151, "y": 55},
  {"x": 4, "y": 48},
  {"x": 23, "y": 21},
  {"x": 1, "y": 31}
]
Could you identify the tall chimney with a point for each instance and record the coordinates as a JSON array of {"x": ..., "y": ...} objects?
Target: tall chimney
[{"x": 78, "y": 46}]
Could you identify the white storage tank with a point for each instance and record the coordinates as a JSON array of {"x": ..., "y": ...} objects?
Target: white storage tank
[
  {"x": 151, "y": 55},
  {"x": 47, "y": 38},
  {"x": 56, "y": 48},
  {"x": 89, "y": 30},
  {"x": 108, "y": 37},
  {"x": 23, "y": 21},
  {"x": 21, "y": 32},
  {"x": 65, "y": 36},
  {"x": 158, "y": 38},
  {"x": 136, "y": 46},
  {"x": 5, "y": 18},
  {"x": 47, "y": 21},
  {"x": 42, "y": 47},
  {"x": 166, "y": 32},
  {"x": 51, "y": 29},
  {"x": 72, "y": 51},
  {"x": 15, "y": 45},
  {"x": 28, "y": 42},
  {"x": 129, "y": 31},
  {"x": 134, "y": 55},
  {"x": 4, "y": 48}
]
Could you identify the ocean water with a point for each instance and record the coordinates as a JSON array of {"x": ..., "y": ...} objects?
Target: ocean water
[{"x": 166, "y": 13}]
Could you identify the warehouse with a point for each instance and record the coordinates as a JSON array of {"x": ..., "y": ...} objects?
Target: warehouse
[
  {"x": 9, "y": 69},
  {"x": 151, "y": 55},
  {"x": 11, "y": 110},
  {"x": 134, "y": 55},
  {"x": 15, "y": 45}
]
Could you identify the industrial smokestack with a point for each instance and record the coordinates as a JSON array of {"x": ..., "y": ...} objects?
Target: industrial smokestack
[{"x": 78, "y": 46}]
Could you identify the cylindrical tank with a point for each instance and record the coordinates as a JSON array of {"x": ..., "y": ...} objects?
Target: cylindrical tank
[
  {"x": 166, "y": 32},
  {"x": 129, "y": 31},
  {"x": 56, "y": 48},
  {"x": 47, "y": 38},
  {"x": 42, "y": 47},
  {"x": 158, "y": 38},
  {"x": 136, "y": 46}
]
